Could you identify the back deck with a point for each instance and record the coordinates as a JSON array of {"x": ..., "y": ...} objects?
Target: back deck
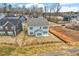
[{"x": 69, "y": 36}]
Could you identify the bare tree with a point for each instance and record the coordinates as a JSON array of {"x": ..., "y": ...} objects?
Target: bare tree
[
  {"x": 33, "y": 10},
  {"x": 57, "y": 9},
  {"x": 23, "y": 9},
  {"x": 5, "y": 7},
  {"x": 44, "y": 14},
  {"x": 9, "y": 9},
  {"x": 52, "y": 8},
  {"x": 36, "y": 11},
  {"x": 10, "y": 6}
]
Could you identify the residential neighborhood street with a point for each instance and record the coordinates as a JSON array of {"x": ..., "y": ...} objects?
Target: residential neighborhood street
[{"x": 39, "y": 29}]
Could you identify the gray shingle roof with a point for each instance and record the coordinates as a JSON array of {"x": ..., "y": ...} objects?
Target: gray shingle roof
[
  {"x": 12, "y": 19},
  {"x": 40, "y": 21}
]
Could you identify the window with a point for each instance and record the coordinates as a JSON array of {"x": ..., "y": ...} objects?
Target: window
[
  {"x": 2, "y": 32},
  {"x": 31, "y": 28},
  {"x": 39, "y": 34},
  {"x": 10, "y": 32},
  {"x": 31, "y": 32},
  {"x": 1, "y": 27},
  {"x": 44, "y": 27},
  {"x": 45, "y": 32}
]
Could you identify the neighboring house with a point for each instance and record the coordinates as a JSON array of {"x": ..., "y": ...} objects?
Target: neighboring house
[
  {"x": 55, "y": 17},
  {"x": 37, "y": 26},
  {"x": 74, "y": 24},
  {"x": 22, "y": 18},
  {"x": 11, "y": 25},
  {"x": 75, "y": 21},
  {"x": 67, "y": 18}
]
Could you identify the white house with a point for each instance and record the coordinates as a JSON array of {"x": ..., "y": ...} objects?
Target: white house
[{"x": 37, "y": 26}]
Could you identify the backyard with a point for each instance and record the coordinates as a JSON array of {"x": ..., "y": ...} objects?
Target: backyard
[{"x": 23, "y": 45}]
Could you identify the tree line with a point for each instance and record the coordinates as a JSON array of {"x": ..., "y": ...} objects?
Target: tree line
[{"x": 33, "y": 10}]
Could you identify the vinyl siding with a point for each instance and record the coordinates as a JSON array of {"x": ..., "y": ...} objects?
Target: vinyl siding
[
  {"x": 36, "y": 28},
  {"x": 1, "y": 28},
  {"x": 33, "y": 30}
]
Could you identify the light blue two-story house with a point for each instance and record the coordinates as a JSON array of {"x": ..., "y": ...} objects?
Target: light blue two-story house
[{"x": 37, "y": 26}]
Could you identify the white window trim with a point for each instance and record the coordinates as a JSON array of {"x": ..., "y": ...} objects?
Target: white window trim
[
  {"x": 2, "y": 32},
  {"x": 10, "y": 32}
]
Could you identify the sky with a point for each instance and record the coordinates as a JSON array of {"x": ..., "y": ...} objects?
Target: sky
[
  {"x": 67, "y": 5},
  {"x": 64, "y": 7},
  {"x": 70, "y": 7},
  {"x": 30, "y": 1},
  {"x": 40, "y": 1}
]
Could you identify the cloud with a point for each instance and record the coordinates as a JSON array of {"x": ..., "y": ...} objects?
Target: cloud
[
  {"x": 30, "y": 4},
  {"x": 65, "y": 9},
  {"x": 68, "y": 1}
]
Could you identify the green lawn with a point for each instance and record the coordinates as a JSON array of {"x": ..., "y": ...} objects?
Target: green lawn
[
  {"x": 10, "y": 50},
  {"x": 5, "y": 51}
]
